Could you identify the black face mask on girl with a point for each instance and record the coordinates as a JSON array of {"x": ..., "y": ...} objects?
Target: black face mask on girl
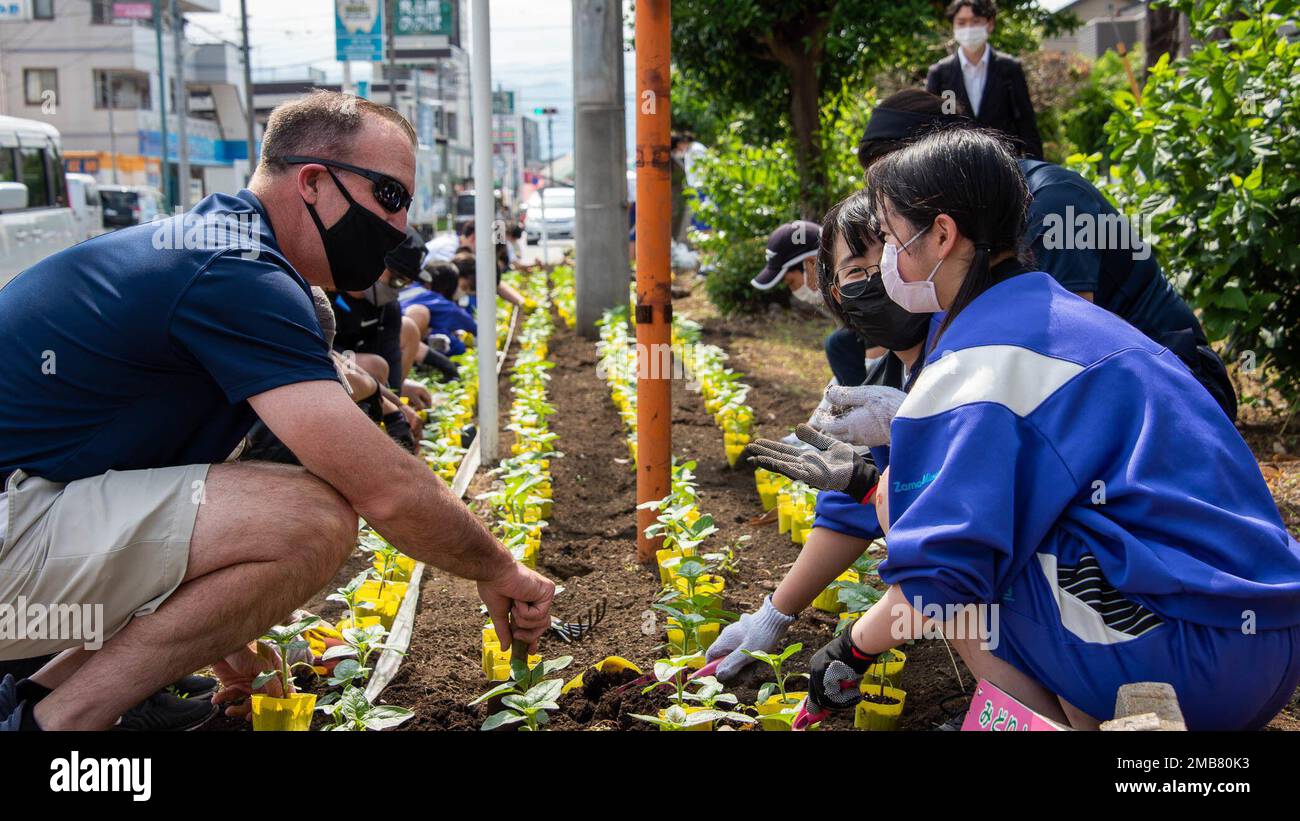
[
  {"x": 356, "y": 245},
  {"x": 879, "y": 320}
]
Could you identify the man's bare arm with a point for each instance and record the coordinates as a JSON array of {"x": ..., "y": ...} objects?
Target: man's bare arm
[{"x": 392, "y": 490}]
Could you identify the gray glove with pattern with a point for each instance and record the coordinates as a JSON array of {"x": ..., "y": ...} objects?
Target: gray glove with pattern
[{"x": 829, "y": 465}]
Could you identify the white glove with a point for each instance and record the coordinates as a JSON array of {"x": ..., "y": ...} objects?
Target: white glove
[
  {"x": 760, "y": 631},
  {"x": 440, "y": 342},
  {"x": 824, "y": 406},
  {"x": 859, "y": 416}
]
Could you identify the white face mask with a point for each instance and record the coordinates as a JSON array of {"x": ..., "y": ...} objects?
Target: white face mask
[
  {"x": 913, "y": 297},
  {"x": 971, "y": 37},
  {"x": 806, "y": 294}
]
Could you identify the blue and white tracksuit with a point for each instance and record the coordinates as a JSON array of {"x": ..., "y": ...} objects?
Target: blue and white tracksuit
[{"x": 1055, "y": 462}]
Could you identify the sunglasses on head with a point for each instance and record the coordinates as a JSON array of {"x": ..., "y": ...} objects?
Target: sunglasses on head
[{"x": 391, "y": 195}]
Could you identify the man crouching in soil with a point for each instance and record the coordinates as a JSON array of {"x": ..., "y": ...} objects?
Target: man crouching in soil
[{"x": 132, "y": 367}]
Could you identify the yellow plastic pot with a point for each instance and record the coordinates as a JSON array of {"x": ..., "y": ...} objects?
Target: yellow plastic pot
[
  {"x": 370, "y": 590},
  {"x": 668, "y": 572},
  {"x": 609, "y": 664},
  {"x": 784, "y": 509},
  {"x": 798, "y": 532},
  {"x": 889, "y": 670},
  {"x": 871, "y": 716},
  {"x": 399, "y": 568},
  {"x": 767, "y": 495},
  {"x": 706, "y": 585},
  {"x": 496, "y": 664},
  {"x": 703, "y": 727},
  {"x": 292, "y": 713},
  {"x": 769, "y": 711},
  {"x": 733, "y": 453},
  {"x": 828, "y": 601},
  {"x": 707, "y": 634},
  {"x": 362, "y": 622}
]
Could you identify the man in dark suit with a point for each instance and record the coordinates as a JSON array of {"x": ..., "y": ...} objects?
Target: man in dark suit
[{"x": 987, "y": 83}]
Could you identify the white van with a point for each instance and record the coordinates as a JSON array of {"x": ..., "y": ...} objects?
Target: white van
[
  {"x": 87, "y": 207},
  {"x": 35, "y": 219}
]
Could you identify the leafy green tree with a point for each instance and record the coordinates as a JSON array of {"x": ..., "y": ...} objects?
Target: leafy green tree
[
  {"x": 771, "y": 65},
  {"x": 1211, "y": 156}
]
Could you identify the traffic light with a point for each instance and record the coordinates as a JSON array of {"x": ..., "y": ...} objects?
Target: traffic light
[{"x": 545, "y": 111}]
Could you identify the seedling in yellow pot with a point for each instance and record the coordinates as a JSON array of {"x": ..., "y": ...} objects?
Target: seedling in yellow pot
[
  {"x": 293, "y": 711},
  {"x": 679, "y": 718},
  {"x": 527, "y": 697},
  {"x": 353, "y": 711},
  {"x": 774, "y": 699}
]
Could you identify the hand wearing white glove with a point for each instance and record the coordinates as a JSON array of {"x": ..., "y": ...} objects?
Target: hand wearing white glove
[
  {"x": 440, "y": 342},
  {"x": 760, "y": 631},
  {"x": 859, "y": 416}
]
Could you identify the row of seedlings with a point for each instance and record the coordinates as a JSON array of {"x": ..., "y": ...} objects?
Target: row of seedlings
[
  {"x": 523, "y": 694},
  {"x": 853, "y": 592}
]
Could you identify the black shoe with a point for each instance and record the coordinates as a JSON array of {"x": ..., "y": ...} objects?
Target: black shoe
[
  {"x": 193, "y": 687},
  {"x": 164, "y": 712}
]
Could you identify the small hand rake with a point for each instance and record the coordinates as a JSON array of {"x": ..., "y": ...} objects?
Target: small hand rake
[{"x": 571, "y": 631}]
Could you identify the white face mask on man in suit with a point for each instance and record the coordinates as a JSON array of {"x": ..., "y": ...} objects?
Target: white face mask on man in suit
[{"x": 971, "y": 37}]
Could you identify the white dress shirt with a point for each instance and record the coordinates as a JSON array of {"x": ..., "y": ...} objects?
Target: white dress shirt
[{"x": 975, "y": 75}]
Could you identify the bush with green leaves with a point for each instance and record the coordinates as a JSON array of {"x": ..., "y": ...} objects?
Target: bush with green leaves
[{"x": 1211, "y": 154}]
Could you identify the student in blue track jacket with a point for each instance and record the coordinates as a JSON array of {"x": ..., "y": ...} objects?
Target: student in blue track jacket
[{"x": 1057, "y": 472}]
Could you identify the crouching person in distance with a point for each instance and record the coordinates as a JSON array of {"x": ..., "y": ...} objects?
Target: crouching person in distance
[
  {"x": 1060, "y": 471},
  {"x": 141, "y": 368}
]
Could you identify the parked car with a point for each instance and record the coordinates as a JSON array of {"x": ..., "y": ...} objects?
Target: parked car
[
  {"x": 87, "y": 207},
  {"x": 561, "y": 213},
  {"x": 35, "y": 219},
  {"x": 127, "y": 205}
]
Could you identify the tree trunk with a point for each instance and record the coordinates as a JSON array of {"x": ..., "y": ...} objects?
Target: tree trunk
[
  {"x": 805, "y": 121},
  {"x": 1162, "y": 34},
  {"x": 800, "y": 49}
]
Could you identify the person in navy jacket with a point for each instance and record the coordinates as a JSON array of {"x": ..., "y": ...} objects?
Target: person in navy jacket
[{"x": 1059, "y": 473}]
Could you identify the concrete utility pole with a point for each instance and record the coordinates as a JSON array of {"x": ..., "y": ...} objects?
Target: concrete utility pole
[
  {"x": 484, "y": 231},
  {"x": 182, "y": 111},
  {"x": 654, "y": 303},
  {"x": 249, "y": 112},
  {"x": 390, "y": 67},
  {"x": 164, "y": 176},
  {"x": 600, "y": 156}
]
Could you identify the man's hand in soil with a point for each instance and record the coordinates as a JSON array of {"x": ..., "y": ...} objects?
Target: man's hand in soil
[
  {"x": 519, "y": 603},
  {"x": 418, "y": 395},
  {"x": 836, "y": 671},
  {"x": 858, "y": 415},
  {"x": 236, "y": 673},
  {"x": 756, "y": 632},
  {"x": 829, "y": 465}
]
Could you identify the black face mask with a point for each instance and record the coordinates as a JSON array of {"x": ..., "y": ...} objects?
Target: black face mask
[
  {"x": 879, "y": 320},
  {"x": 356, "y": 245}
]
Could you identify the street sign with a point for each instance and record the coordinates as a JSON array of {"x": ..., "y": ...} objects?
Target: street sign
[
  {"x": 422, "y": 31},
  {"x": 359, "y": 30},
  {"x": 12, "y": 11}
]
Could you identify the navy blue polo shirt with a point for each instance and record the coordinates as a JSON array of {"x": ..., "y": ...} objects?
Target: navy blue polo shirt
[
  {"x": 1125, "y": 281},
  {"x": 139, "y": 348}
]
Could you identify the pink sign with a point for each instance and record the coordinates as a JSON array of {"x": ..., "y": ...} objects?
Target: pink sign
[
  {"x": 993, "y": 711},
  {"x": 133, "y": 11}
]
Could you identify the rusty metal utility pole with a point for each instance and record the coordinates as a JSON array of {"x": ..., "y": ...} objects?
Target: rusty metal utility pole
[{"x": 654, "y": 307}]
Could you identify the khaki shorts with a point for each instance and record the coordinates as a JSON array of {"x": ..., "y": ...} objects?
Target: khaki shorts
[{"x": 80, "y": 560}]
